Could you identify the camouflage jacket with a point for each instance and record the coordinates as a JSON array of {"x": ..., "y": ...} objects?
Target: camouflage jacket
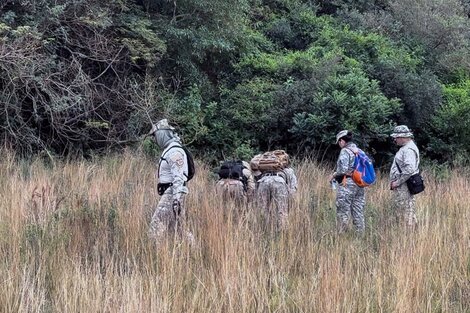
[
  {"x": 407, "y": 159},
  {"x": 345, "y": 163},
  {"x": 173, "y": 168},
  {"x": 291, "y": 180}
]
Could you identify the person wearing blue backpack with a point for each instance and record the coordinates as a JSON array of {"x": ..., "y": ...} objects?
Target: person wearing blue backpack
[{"x": 350, "y": 197}]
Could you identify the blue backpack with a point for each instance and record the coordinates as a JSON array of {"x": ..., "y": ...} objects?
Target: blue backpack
[{"x": 363, "y": 174}]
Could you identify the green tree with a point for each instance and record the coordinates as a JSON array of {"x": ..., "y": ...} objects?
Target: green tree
[
  {"x": 439, "y": 28},
  {"x": 348, "y": 100},
  {"x": 451, "y": 125}
]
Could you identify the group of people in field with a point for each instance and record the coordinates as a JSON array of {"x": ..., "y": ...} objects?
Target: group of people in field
[{"x": 271, "y": 183}]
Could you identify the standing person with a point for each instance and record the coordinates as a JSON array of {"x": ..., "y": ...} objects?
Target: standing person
[
  {"x": 172, "y": 174},
  {"x": 236, "y": 181},
  {"x": 350, "y": 198},
  {"x": 405, "y": 164},
  {"x": 273, "y": 193}
]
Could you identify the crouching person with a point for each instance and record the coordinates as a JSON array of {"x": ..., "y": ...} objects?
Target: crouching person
[
  {"x": 235, "y": 182},
  {"x": 173, "y": 171}
]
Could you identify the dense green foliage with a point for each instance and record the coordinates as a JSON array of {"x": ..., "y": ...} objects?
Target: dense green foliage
[
  {"x": 452, "y": 124},
  {"x": 235, "y": 76}
]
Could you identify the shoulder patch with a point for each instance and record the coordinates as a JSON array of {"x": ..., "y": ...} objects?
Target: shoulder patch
[{"x": 178, "y": 158}]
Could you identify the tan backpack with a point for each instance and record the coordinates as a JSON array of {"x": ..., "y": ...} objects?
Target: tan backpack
[{"x": 271, "y": 161}]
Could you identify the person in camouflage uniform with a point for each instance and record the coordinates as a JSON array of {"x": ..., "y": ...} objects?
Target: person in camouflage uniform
[
  {"x": 234, "y": 189},
  {"x": 350, "y": 198},
  {"x": 172, "y": 172},
  {"x": 273, "y": 193},
  {"x": 405, "y": 164}
]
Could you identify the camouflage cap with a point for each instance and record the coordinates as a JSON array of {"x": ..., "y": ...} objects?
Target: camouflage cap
[
  {"x": 161, "y": 124},
  {"x": 401, "y": 131},
  {"x": 341, "y": 134}
]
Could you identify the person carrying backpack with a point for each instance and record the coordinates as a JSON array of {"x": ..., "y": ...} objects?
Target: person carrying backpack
[
  {"x": 350, "y": 198},
  {"x": 174, "y": 171},
  {"x": 236, "y": 181},
  {"x": 277, "y": 184}
]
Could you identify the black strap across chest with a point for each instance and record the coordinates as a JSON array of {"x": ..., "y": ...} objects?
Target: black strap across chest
[{"x": 163, "y": 159}]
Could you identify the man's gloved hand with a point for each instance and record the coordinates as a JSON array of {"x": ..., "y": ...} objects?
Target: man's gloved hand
[{"x": 176, "y": 207}]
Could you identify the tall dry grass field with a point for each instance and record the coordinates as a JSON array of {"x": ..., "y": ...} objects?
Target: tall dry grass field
[{"x": 73, "y": 238}]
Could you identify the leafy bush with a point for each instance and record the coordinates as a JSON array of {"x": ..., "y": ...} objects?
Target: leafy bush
[
  {"x": 233, "y": 76},
  {"x": 348, "y": 100},
  {"x": 451, "y": 140}
]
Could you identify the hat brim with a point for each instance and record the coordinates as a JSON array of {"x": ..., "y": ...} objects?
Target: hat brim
[
  {"x": 401, "y": 135},
  {"x": 156, "y": 128},
  {"x": 337, "y": 140}
]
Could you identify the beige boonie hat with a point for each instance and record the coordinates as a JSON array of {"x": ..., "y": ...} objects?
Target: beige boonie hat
[
  {"x": 401, "y": 131},
  {"x": 341, "y": 134}
]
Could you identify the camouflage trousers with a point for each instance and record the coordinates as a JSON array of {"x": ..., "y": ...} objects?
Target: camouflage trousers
[
  {"x": 350, "y": 201},
  {"x": 166, "y": 221},
  {"x": 231, "y": 189},
  {"x": 404, "y": 205},
  {"x": 273, "y": 198}
]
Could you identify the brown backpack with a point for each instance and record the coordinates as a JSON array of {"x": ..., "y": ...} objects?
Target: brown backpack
[{"x": 271, "y": 161}]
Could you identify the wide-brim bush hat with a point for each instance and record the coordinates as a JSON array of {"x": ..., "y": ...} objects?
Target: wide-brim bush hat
[
  {"x": 341, "y": 134},
  {"x": 401, "y": 131}
]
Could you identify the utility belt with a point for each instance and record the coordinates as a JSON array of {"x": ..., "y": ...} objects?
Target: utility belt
[
  {"x": 282, "y": 175},
  {"x": 272, "y": 174},
  {"x": 162, "y": 187}
]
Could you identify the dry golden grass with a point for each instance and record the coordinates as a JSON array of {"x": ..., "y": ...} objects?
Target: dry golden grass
[{"x": 73, "y": 239}]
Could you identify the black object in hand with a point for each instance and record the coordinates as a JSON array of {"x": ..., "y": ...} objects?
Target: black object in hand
[{"x": 176, "y": 207}]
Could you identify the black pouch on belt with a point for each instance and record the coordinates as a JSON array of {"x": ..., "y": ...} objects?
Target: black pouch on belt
[{"x": 161, "y": 188}]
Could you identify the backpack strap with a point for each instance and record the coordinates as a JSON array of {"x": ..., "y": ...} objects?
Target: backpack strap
[
  {"x": 398, "y": 166},
  {"x": 163, "y": 159},
  {"x": 355, "y": 153},
  {"x": 176, "y": 146}
]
